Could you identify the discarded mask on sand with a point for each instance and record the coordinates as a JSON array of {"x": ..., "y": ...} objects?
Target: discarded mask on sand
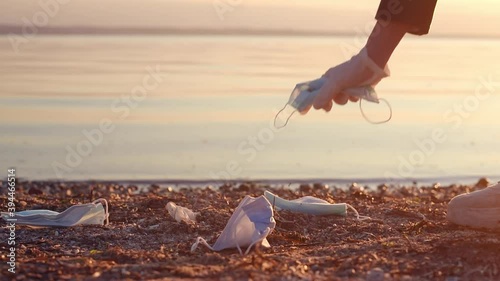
[
  {"x": 478, "y": 209},
  {"x": 91, "y": 213},
  {"x": 250, "y": 224},
  {"x": 181, "y": 213},
  {"x": 312, "y": 206}
]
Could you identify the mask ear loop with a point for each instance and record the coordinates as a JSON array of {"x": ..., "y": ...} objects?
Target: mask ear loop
[
  {"x": 358, "y": 217},
  {"x": 237, "y": 244},
  {"x": 376, "y": 122},
  {"x": 106, "y": 212},
  {"x": 263, "y": 236},
  {"x": 286, "y": 122},
  {"x": 360, "y": 109},
  {"x": 202, "y": 241}
]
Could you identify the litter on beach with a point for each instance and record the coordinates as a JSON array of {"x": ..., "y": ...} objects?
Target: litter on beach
[
  {"x": 91, "y": 213},
  {"x": 250, "y": 224},
  {"x": 312, "y": 206},
  {"x": 181, "y": 213}
]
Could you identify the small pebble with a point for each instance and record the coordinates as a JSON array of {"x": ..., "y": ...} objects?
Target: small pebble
[
  {"x": 382, "y": 188},
  {"x": 305, "y": 188},
  {"x": 320, "y": 186},
  {"x": 225, "y": 187},
  {"x": 376, "y": 274},
  {"x": 34, "y": 191},
  {"x": 482, "y": 183},
  {"x": 244, "y": 187},
  {"x": 354, "y": 187}
]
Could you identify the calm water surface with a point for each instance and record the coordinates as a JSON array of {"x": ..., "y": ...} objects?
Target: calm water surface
[{"x": 209, "y": 104}]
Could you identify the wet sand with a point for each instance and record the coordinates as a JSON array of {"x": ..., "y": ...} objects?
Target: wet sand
[{"x": 408, "y": 237}]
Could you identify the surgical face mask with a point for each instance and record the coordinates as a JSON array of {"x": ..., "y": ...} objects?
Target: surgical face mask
[
  {"x": 91, "y": 213},
  {"x": 311, "y": 205},
  {"x": 249, "y": 225},
  {"x": 304, "y": 94}
]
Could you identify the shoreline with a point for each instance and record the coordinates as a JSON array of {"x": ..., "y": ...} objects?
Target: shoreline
[{"x": 292, "y": 183}]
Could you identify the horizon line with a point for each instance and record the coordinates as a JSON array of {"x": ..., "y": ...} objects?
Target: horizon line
[
  {"x": 168, "y": 31},
  {"x": 450, "y": 179}
]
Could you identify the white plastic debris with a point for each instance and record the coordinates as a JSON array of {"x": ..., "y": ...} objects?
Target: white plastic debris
[{"x": 181, "y": 213}]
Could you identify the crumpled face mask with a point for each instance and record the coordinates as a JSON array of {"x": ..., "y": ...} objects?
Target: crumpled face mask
[
  {"x": 304, "y": 94},
  {"x": 91, "y": 213},
  {"x": 181, "y": 213},
  {"x": 250, "y": 224},
  {"x": 312, "y": 206}
]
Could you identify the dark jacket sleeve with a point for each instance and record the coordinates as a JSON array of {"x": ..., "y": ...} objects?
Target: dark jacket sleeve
[{"x": 416, "y": 13}]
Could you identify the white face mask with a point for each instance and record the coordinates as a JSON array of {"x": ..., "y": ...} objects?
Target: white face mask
[
  {"x": 91, "y": 213},
  {"x": 181, "y": 213},
  {"x": 250, "y": 224},
  {"x": 304, "y": 94},
  {"x": 311, "y": 205}
]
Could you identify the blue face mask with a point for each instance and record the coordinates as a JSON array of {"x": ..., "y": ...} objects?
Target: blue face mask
[
  {"x": 92, "y": 213},
  {"x": 312, "y": 206},
  {"x": 249, "y": 225},
  {"x": 303, "y": 95}
]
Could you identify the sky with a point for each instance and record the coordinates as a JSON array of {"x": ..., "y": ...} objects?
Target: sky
[{"x": 452, "y": 17}]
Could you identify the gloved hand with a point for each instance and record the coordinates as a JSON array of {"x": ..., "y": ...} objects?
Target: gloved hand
[{"x": 359, "y": 71}]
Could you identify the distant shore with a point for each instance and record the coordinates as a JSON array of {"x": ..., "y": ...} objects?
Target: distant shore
[
  {"x": 166, "y": 31},
  {"x": 292, "y": 183}
]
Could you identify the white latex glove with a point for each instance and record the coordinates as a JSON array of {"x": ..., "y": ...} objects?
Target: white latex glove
[{"x": 359, "y": 71}]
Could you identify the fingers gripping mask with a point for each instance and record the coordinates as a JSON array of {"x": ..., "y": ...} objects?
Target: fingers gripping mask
[
  {"x": 91, "y": 213},
  {"x": 304, "y": 94},
  {"x": 249, "y": 225}
]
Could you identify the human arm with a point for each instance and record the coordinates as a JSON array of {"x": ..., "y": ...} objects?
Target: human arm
[{"x": 393, "y": 22}]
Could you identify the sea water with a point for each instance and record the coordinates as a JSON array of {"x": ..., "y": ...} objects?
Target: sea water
[{"x": 206, "y": 110}]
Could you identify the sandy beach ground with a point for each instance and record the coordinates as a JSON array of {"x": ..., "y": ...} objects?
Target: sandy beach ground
[{"x": 408, "y": 237}]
